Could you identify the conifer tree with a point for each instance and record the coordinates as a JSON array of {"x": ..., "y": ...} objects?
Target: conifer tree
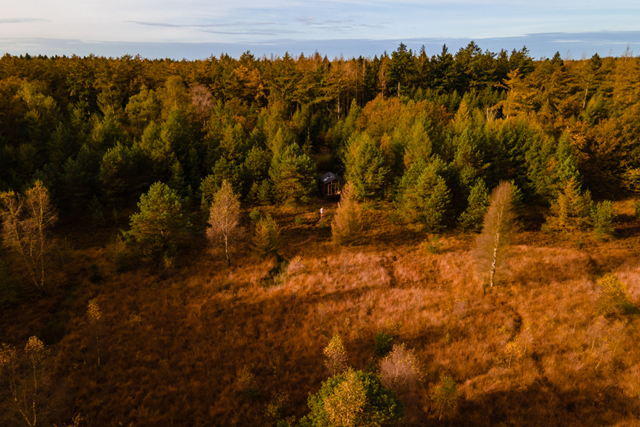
[
  {"x": 346, "y": 227},
  {"x": 499, "y": 225},
  {"x": 161, "y": 226},
  {"x": 224, "y": 217},
  {"x": 603, "y": 219},
  {"x": 265, "y": 237},
  {"x": 208, "y": 190},
  {"x": 292, "y": 175},
  {"x": 263, "y": 193},
  {"x": 478, "y": 203},
  {"x": 570, "y": 211},
  {"x": 366, "y": 166},
  {"x": 177, "y": 181},
  {"x": 424, "y": 195},
  {"x": 143, "y": 108}
]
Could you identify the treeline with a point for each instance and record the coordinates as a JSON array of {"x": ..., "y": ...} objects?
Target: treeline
[{"x": 434, "y": 135}]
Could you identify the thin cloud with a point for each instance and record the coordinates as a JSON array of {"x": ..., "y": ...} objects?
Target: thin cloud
[
  {"x": 21, "y": 20},
  {"x": 266, "y": 32},
  {"x": 229, "y": 24},
  {"x": 156, "y": 24},
  {"x": 306, "y": 19}
]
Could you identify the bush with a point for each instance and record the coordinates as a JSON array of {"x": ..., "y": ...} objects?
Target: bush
[
  {"x": 613, "y": 297},
  {"x": 434, "y": 246},
  {"x": 95, "y": 275},
  {"x": 603, "y": 219},
  {"x": 8, "y": 287},
  {"x": 118, "y": 253},
  {"x": 383, "y": 344},
  {"x": 637, "y": 208}
]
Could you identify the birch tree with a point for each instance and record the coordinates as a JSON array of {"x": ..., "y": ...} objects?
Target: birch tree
[
  {"x": 499, "y": 225},
  {"x": 224, "y": 216},
  {"x": 25, "y": 220}
]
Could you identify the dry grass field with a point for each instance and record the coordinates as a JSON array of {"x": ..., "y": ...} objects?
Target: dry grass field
[{"x": 207, "y": 345}]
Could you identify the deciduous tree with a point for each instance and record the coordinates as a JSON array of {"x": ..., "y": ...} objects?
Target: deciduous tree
[
  {"x": 26, "y": 220},
  {"x": 224, "y": 217},
  {"x": 499, "y": 224}
]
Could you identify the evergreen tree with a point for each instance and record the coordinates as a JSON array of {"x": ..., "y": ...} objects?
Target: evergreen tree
[
  {"x": 571, "y": 209},
  {"x": 61, "y": 147},
  {"x": 346, "y": 227},
  {"x": 365, "y": 166},
  {"x": 478, "y": 203},
  {"x": 208, "y": 189},
  {"x": 424, "y": 195},
  {"x": 265, "y": 236},
  {"x": 161, "y": 226},
  {"x": 122, "y": 172},
  {"x": 177, "y": 181},
  {"x": 143, "y": 108},
  {"x": 401, "y": 69},
  {"x": 107, "y": 133},
  {"x": 226, "y": 170},
  {"x": 291, "y": 173},
  {"x": 158, "y": 150},
  {"x": 603, "y": 219},
  {"x": 79, "y": 177}
]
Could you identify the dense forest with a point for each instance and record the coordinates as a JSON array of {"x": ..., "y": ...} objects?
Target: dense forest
[{"x": 118, "y": 177}]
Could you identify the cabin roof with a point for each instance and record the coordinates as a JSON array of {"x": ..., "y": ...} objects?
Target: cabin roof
[{"x": 328, "y": 177}]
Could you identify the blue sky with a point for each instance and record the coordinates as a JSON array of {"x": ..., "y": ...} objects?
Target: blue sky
[{"x": 197, "y": 28}]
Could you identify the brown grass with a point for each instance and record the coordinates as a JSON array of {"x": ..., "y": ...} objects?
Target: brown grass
[{"x": 211, "y": 345}]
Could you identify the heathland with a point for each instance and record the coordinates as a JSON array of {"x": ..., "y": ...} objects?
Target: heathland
[{"x": 165, "y": 262}]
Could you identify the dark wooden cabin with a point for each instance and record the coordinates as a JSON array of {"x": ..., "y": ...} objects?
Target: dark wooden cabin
[{"x": 330, "y": 184}]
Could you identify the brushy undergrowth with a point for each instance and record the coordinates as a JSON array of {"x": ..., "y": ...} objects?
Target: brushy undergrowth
[{"x": 211, "y": 345}]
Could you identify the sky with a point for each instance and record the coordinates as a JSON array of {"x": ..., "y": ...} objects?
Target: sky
[{"x": 196, "y": 29}]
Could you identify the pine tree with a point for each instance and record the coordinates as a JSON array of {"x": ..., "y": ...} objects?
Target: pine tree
[
  {"x": 366, "y": 166},
  {"x": 603, "y": 219},
  {"x": 264, "y": 192},
  {"x": 499, "y": 225},
  {"x": 292, "y": 175},
  {"x": 265, "y": 237},
  {"x": 478, "y": 203},
  {"x": 161, "y": 226},
  {"x": 177, "y": 181},
  {"x": 346, "y": 227},
  {"x": 424, "y": 195},
  {"x": 570, "y": 211}
]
